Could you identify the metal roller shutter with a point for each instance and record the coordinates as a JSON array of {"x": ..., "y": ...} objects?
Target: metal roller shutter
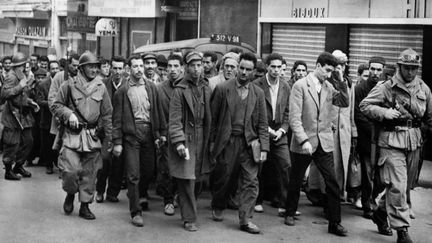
[
  {"x": 385, "y": 41},
  {"x": 298, "y": 42}
]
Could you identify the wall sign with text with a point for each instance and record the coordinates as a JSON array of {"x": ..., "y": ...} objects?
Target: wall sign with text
[{"x": 309, "y": 13}]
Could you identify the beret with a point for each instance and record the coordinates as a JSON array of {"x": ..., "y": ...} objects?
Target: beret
[{"x": 377, "y": 59}]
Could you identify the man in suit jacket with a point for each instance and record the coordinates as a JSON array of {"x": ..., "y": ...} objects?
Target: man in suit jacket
[
  {"x": 136, "y": 130},
  {"x": 240, "y": 120},
  {"x": 311, "y": 115},
  {"x": 113, "y": 167},
  {"x": 277, "y": 94}
]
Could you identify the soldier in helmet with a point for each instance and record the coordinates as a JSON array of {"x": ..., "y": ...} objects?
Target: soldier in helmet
[
  {"x": 17, "y": 119},
  {"x": 400, "y": 105},
  {"x": 84, "y": 107}
]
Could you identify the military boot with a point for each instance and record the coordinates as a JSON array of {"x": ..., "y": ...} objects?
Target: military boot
[
  {"x": 403, "y": 236},
  {"x": 69, "y": 203},
  {"x": 85, "y": 212},
  {"x": 10, "y": 175},
  {"x": 19, "y": 169}
]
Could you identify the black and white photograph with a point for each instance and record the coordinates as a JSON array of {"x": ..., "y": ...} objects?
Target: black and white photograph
[{"x": 215, "y": 121}]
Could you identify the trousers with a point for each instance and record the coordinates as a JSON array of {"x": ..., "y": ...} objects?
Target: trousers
[
  {"x": 139, "y": 157},
  {"x": 112, "y": 170},
  {"x": 79, "y": 171},
  {"x": 188, "y": 191},
  {"x": 235, "y": 164},
  {"x": 325, "y": 164},
  {"x": 17, "y": 145},
  {"x": 166, "y": 186},
  {"x": 47, "y": 155},
  {"x": 397, "y": 171}
]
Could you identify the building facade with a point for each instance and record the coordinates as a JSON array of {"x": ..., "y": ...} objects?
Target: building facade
[{"x": 300, "y": 30}]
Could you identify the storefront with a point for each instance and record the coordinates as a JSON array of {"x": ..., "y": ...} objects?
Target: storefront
[
  {"x": 373, "y": 28},
  {"x": 7, "y": 39}
]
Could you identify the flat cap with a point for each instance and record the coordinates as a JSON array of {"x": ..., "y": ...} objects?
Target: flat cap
[
  {"x": 40, "y": 72},
  {"x": 231, "y": 55},
  {"x": 193, "y": 56},
  {"x": 377, "y": 59},
  {"x": 149, "y": 55}
]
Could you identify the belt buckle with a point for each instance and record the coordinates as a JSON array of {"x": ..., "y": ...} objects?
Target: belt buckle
[{"x": 409, "y": 123}]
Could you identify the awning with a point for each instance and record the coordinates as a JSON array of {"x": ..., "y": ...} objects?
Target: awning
[{"x": 34, "y": 11}]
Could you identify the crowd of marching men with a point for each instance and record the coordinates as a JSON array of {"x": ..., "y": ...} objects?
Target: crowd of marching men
[{"x": 244, "y": 128}]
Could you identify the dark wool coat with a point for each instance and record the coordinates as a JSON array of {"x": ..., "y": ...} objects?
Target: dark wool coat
[{"x": 181, "y": 129}]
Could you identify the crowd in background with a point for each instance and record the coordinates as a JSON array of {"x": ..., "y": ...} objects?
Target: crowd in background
[{"x": 192, "y": 121}]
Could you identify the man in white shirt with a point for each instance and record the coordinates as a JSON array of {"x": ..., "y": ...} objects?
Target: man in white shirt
[{"x": 277, "y": 93}]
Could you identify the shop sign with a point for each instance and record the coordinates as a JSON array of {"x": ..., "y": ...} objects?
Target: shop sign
[
  {"x": 91, "y": 37},
  {"x": 37, "y": 31},
  {"x": 125, "y": 8},
  {"x": 106, "y": 27},
  {"x": 22, "y": 41},
  {"x": 223, "y": 38},
  {"x": 79, "y": 22},
  {"x": 189, "y": 9},
  {"x": 40, "y": 43},
  {"x": 309, "y": 13}
]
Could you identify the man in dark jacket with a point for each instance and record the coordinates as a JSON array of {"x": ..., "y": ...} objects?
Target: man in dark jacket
[
  {"x": 370, "y": 185},
  {"x": 189, "y": 131},
  {"x": 113, "y": 167},
  {"x": 17, "y": 119},
  {"x": 136, "y": 129},
  {"x": 277, "y": 94},
  {"x": 165, "y": 183},
  {"x": 47, "y": 155},
  {"x": 240, "y": 122}
]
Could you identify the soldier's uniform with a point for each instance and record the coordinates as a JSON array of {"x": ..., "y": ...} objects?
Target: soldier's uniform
[
  {"x": 399, "y": 139},
  {"x": 80, "y": 156},
  {"x": 17, "y": 120}
]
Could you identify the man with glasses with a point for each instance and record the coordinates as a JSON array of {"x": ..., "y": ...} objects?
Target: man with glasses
[
  {"x": 400, "y": 105},
  {"x": 370, "y": 186}
]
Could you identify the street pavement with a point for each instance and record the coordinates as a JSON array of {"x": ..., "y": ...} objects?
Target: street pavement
[{"x": 31, "y": 211}]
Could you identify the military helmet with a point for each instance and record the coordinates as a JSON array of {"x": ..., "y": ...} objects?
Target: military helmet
[
  {"x": 409, "y": 57},
  {"x": 18, "y": 59},
  {"x": 88, "y": 58}
]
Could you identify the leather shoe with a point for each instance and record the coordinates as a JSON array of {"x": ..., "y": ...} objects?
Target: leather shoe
[
  {"x": 18, "y": 169},
  {"x": 144, "y": 204},
  {"x": 250, "y": 228},
  {"x": 367, "y": 214},
  {"x": 190, "y": 226},
  {"x": 112, "y": 199},
  {"x": 99, "y": 198},
  {"x": 85, "y": 212},
  {"x": 137, "y": 220},
  {"x": 289, "y": 220},
  {"x": 383, "y": 227},
  {"x": 169, "y": 209},
  {"x": 217, "y": 215},
  {"x": 337, "y": 229},
  {"x": 68, "y": 204},
  {"x": 403, "y": 236},
  {"x": 49, "y": 171}
]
